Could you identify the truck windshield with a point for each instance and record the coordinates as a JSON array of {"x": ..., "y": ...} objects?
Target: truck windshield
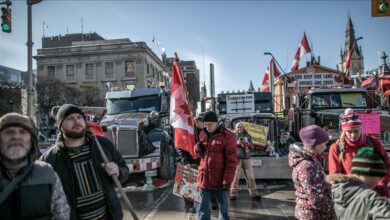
[
  {"x": 338, "y": 100},
  {"x": 137, "y": 104}
]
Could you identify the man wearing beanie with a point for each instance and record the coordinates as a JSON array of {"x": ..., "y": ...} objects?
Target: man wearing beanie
[
  {"x": 350, "y": 141},
  {"x": 312, "y": 193},
  {"x": 29, "y": 189},
  {"x": 217, "y": 150},
  {"x": 86, "y": 178},
  {"x": 353, "y": 194}
]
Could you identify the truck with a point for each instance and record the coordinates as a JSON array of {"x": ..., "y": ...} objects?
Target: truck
[
  {"x": 323, "y": 107},
  {"x": 269, "y": 157},
  {"x": 126, "y": 110}
]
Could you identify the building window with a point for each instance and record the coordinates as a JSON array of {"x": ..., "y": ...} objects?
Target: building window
[
  {"x": 148, "y": 68},
  {"x": 130, "y": 68},
  {"x": 70, "y": 71},
  {"x": 51, "y": 71},
  {"x": 89, "y": 70},
  {"x": 109, "y": 69}
]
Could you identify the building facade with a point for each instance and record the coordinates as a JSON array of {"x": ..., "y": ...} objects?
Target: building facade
[{"x": 88, "y": 59}]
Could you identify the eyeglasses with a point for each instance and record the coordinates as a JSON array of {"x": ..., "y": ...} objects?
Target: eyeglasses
[{"x": 350, "y": 118}]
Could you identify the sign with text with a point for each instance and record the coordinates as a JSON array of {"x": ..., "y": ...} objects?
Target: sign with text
[
  {"x": 371, "y": 122},
  {"x": 243, "y": 103},
  {"x": 313, "y": 79},
  {"x": 185, "y": 183},
  {"x": 259, "y": 133}
]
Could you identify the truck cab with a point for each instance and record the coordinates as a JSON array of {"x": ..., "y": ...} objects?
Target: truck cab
[{"x": 126, "y": 110}]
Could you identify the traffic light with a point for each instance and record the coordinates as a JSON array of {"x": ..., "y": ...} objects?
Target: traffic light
[
  {"x": 6, "y": 19},
  {"x": 380, "y": 8}
]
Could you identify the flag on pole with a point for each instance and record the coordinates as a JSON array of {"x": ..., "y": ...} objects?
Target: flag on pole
[
  {"x": 265, "y": 87},
  {"x": 348, "y": 64},
  {"x": 154, "y": 38},
  {"x": 303, "y": 49},
  {"x": 180, "y": 115},
  {"x": 45, "y": 25}
]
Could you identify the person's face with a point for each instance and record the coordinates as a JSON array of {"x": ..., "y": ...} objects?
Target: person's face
[
  {"x": 319, "y": 149},
  {"x": 210, "y": 126},
  {"x": 199, "y": 124},
  {"x": 353, "y": 135},
  {"x": 240, "y": 129},
  {"x": 74, "y": 126},
  {"x": 370, "y": 181},
  {"x": 15, "y": 143}
]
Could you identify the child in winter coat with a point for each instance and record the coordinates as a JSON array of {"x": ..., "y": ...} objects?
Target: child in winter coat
[
  {"x": 353, "y": 195},
  {"x": 350, "y": 141},
  {"x": 313, "y": 199}
]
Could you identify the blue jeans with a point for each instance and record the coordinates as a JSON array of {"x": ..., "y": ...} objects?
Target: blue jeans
[{"x": 205, "y": 200}]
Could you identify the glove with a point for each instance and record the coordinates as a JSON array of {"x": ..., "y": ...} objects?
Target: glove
[{"x": 225, "y": 187}]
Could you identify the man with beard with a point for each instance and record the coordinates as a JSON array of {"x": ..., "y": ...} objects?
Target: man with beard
[
  {"x": 86, "y": 178},
  {"x": 29, "y": 189}
]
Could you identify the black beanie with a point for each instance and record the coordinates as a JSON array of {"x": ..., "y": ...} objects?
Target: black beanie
[
  {"x": 210, "y": 116},
  {"x": 66, "y": 110}
]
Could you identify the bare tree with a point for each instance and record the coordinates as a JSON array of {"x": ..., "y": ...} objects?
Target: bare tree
[
  {"x": 93, "y": 96},
  {"x": 50, "y": 93}
]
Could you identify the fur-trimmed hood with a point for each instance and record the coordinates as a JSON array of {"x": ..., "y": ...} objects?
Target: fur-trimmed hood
[{"x": 298, "y": 154}]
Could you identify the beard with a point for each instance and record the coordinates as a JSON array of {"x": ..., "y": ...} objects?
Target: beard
[
  {"x": 15, "y": 150},
  {"x": 75, "y": 134}
]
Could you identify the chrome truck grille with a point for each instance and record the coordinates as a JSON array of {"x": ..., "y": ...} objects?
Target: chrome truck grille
[{"x": 126, "y": 141}]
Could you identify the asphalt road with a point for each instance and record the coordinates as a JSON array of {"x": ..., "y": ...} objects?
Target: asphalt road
[{"x": 278, "y": 202}]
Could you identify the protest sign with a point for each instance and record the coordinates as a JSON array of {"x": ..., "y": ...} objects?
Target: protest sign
[
  {"x": 185, "y": 182},
  {"x": 259, "y": 133}
]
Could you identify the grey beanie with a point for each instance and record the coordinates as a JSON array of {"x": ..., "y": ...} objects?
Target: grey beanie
[
  {"x": 66, "y": 110},
  {"x": 18, "y": 120}
]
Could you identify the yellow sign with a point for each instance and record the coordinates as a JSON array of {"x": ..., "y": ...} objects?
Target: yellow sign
[
  {"x": 129, "y": 87},
  {"x": 259, "y": 133}
]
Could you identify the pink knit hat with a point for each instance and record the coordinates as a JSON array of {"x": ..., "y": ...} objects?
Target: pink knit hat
[{"x": 350, "y": 120}]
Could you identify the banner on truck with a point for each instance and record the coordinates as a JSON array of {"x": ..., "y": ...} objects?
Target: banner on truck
[
  {"x": 259, "y": 133},
  {"x": 371, "y": 122},
  {"x": 185, "y": 183}
]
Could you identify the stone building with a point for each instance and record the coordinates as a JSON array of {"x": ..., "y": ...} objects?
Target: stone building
[
  {"x": 357, "y": 59},
  {"x": 89, "y": 59}
]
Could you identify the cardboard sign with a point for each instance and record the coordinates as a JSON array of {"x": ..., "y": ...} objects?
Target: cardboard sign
[
  {"x": 259, "y": 133},
  {"x": 185, "y": 182},
  {"x": 371, "y": 122}
]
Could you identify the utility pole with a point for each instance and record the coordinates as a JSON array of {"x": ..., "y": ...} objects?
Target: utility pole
[{"x": 30, "y": 90}]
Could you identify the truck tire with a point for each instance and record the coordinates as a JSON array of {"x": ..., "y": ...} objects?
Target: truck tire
[{"x": 167, "y": 160}]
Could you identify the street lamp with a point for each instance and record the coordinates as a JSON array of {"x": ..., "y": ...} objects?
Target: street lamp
[{"x": 30, "y": 91}]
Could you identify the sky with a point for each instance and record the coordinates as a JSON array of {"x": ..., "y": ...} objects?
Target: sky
[{"x": 233, "y": 35}]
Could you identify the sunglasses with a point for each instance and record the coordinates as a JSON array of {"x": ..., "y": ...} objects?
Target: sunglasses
[{"x": 350, "y": 118}]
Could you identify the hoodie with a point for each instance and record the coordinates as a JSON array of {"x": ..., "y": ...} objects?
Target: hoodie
[
  {"x": 354, "y": 200},
  {"x": 313, "y": 198}
]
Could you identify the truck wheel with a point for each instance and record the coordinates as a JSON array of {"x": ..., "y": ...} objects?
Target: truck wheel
[{"x": 167, "y": 159}]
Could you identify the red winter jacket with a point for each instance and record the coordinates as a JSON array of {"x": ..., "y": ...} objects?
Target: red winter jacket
[
  {"x": 219, "y": 160},
  {"x": 345, "y": 167}
]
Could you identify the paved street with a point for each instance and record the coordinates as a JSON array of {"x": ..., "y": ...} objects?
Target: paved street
[{"x": 277, "y": 203}]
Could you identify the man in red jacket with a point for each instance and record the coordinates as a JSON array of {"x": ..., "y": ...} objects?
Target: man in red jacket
[{"x": 218, "y": 152}]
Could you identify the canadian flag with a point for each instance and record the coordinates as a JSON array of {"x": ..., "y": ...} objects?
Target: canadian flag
[
  {"x": 180, "y": 116},
  {"x": 348, "y": 64},
  {"x": 303, "y": 49},
  {"x": 265, "y": 84}
]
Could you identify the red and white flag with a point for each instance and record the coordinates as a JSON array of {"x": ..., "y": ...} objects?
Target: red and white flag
[
  {"x": 303, "y": 49},
  {"x": 348, "y": 64},
  {"x": 265, "y": 87},
  {"x": 180, "y": 115}
]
